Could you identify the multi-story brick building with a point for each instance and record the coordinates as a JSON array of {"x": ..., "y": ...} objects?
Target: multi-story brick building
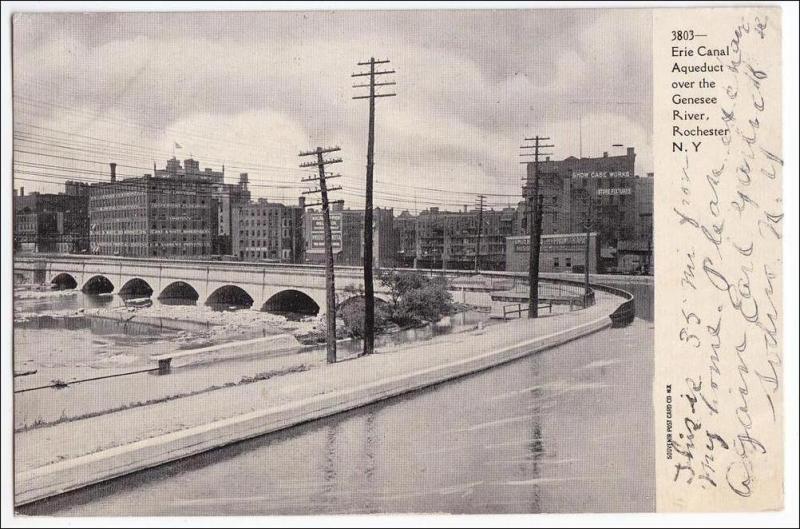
[
  {"x": 604, "y": 191},
  {"x": 173, "y": 214},
  {"x": 50, "y": 222},
  {"x": 449, "y": 239},
  {"x": 228, "y": 198},
  {"x": 267, "y": 231},
  {"x": 405, "y": 234},
  {"x": 347, "y": 232}
]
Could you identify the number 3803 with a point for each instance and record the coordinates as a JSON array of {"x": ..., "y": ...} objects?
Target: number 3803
[{"x": 687, "y": 34}]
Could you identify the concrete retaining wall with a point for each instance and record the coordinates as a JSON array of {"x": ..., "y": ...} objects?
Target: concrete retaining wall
[{"x": 79, "y": 472}]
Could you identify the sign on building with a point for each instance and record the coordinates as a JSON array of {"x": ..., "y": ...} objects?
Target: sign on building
[
  {"x": 316, "y": 241},
  {"x": 601, "y": 174},
  {"x": 612, "y": 191}
]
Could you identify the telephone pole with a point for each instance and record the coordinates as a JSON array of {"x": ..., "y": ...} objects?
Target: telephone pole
[
  {"x": 369, "y": 291},
  {"x": 534, "y": 199},
  {"x": 480, "y": 228},
  {"x": 330, "y": 287},
  {"x": 587, "y": 225}
]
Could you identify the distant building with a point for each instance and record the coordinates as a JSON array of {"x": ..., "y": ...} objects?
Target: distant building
[
  {"x": 604, "y": 191},
  {"x": 405, "y": 235},
  {"x": 50, "y": 222},
  {"x": 190, "y": 170},
  {"x": 449, "y": 239},
  {"x": 347, "y": 231},
  {"x": 635, "y": 257},
  {"x": 558, "y": 253},
  {"x": 267, "y": 231},
  {"x": 172, "y": 214},
  {"x": 228, "y": 197},
  {"x": 644, "y": 206}
]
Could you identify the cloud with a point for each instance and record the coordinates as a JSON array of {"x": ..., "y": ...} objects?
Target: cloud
[{"x": 252, "y": 89}]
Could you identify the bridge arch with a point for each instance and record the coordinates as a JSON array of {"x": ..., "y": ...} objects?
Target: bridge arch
[
  {"x": 136, "y": 288},
  {"x": 380, "y": 300},
  {"x": 291, "y": 301},
  {"x": 228, "y": 297},
  {"x": 64, "y": 281},
  {"x": 179, "y": 293},
  {"x": 98, "y": 285}
]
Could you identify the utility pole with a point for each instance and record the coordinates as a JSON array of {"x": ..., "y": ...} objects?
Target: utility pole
[
  {"x": 330, "y": 287},
  {"x": 444, "y": 245},
  {"x": 480, "y": 228},
  {"x": 588, "y": 226},
  {"x": 369, "y": 291},
  {"x": 535, "y": 223}
]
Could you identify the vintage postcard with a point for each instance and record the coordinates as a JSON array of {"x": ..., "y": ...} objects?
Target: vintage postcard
[{"x": 375, "y": 261}]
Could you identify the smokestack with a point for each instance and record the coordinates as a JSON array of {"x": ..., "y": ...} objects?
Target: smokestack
[
  {"x": 113, "y": 171},
  {"x": 301, "y": 202}
]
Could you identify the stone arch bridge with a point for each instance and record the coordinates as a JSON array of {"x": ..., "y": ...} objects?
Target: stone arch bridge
[{"x": 279, "y": 287}]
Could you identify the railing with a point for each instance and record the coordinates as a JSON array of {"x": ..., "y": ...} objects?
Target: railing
[{"x": 524, "y": 308}]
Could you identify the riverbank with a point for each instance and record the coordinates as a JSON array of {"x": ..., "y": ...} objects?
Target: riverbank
[{"x": 73, "y": 454}]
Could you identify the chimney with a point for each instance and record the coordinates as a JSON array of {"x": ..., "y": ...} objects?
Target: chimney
[
  {"x": 630, "y": 151},
  {"x": 465, "y": 208},
  {"x": 605, "y": 154},
  {"x": 113, "y": 171},
  {"x": 547, "y": 159},
  {"x": 22, "y": 191},
  {"x": 301, "y": 202}
]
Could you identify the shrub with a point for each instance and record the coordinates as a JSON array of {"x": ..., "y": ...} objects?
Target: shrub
[
  {"x": 416, "y": 298},
  {"x": 352, "y": 315}
]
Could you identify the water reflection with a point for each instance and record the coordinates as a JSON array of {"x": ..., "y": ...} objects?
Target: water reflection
[{"x": 534, "y": 435}]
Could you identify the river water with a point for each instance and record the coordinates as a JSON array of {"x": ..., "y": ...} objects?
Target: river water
[{"x": 566, "y": 430}]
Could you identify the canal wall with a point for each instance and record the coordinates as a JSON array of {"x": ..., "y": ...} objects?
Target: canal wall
[{"x": 71, "y": 473}]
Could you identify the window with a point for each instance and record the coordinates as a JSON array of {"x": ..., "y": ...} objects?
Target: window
[
  {"x": 568, "y": 262},
  {"x": 555, "y": 262}
]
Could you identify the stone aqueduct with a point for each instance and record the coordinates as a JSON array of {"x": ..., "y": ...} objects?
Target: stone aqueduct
[{"x": 265, "y": 286}]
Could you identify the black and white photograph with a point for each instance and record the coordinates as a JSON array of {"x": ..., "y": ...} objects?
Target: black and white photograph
[{"x": 335, "y": 261}]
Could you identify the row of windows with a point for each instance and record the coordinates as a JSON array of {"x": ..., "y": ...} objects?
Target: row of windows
[
  {"x": 175, "y": 226},
  {"x": 183, "y": 250},
  {"x": 263, "y": 243},
  {"x": 272, "y": 212},
  {"x": 263, "y": 254},
  {"x": 557, "y": 262},
  {"x": 263, "y": 233},
  {"x": 115, "y": 212},
  {"x": 265, "y": 222}
]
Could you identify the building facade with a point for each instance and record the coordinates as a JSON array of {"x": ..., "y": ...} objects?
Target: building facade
[
  {"x": 558, "y": 253},
  {"x": 268, "y": 231},
  {"x": 449, "y": 239},
  {"x": 170, "y": 215},
  {"x": 228, "y": 198},
  {"x": 604, "y": 192},
  {"x": 405, "y": 234},
  {"x": 52, "y": 222},
  {"x": 347, "y": 233}
]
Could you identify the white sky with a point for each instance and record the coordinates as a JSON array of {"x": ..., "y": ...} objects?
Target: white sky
[{"x": 250, "y": 90}]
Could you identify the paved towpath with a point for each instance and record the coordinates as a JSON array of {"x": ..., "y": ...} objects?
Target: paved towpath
[{"x": 40, "y": 447}]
